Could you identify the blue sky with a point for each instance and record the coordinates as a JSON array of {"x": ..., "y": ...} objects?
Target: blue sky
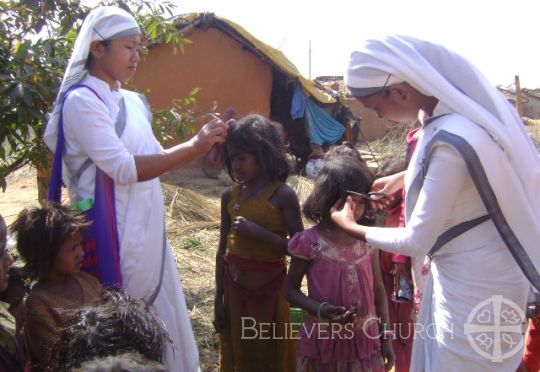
[{"x": 500, "y": 37}]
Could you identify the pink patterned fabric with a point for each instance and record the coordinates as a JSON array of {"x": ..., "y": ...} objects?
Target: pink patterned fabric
[
  {"x": 341, "y": 275},
  {"x": 419, "y": 265},
  {"x": 400, "y": 313}
]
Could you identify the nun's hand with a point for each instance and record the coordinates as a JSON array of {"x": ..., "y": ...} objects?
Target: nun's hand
[
  {"x": 213, "y": 132},
  {"x": 390, "y": 184},
  {"x": 343, "y": 213}
]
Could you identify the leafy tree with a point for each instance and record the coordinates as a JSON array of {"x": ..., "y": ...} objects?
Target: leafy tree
[{"x": 36, "y": 39}]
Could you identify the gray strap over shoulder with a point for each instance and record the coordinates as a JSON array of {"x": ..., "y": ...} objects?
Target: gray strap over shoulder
[
  {"x": 119, "y": 127},
  {"x": 156, "y": 291},
  {"x": 480, "y": 180},
  {"x": 147, "y": 105},
  {"x": 455, "y": 231}
]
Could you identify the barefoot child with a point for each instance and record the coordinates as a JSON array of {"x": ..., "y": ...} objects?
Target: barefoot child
[
  {"x": 346, "y": 293},
  {"x": 257, "y": 215},
  {"x": 49, "y": 242}
]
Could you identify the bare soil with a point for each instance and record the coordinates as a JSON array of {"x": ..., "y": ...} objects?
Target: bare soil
[{"x": 194, "y": 245}]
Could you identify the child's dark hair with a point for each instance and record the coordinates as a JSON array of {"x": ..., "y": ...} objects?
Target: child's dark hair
[
  {"x": 345, "y": 149},
  {"x": 18, "y": 286},
  {"x": 390, "y": 165},
  {"x": 42, "y": 231},
  {"x": 116, "y": 324},
  {"x": 337, "y": 175},
  {"x": 125, "y": 362},
  {"x": 264, "y": 139}
]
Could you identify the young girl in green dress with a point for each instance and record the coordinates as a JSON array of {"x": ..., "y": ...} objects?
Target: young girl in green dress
[{"x": 257, "y": 216}]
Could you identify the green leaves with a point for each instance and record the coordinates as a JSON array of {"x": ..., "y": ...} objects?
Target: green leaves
[
  {"x": 36, "y": 39},
  {"x": 21, "y": 49},
  {"x": 181, "y": 120}
]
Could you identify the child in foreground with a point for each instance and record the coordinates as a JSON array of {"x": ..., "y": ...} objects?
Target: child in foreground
[
  {"x": 346, "y": 293},
  {"x": 257, "y": 216},
  {"x": 114, "y": 325},
  {"x": 49, "y": 242}
]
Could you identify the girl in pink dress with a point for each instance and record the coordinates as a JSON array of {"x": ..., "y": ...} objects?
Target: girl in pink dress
[{"x": 347, "y": 328}]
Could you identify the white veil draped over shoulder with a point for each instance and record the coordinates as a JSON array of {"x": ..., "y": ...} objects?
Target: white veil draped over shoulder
[
  {"x": 103, "y": 23},
  {"x": 458, "y": 85}
]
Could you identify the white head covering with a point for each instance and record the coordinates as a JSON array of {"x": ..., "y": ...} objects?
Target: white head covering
[
  {"x": 459, "y": 86},
  {"x": 372, "y": 81},
  {"x": 103, "y": 23}
]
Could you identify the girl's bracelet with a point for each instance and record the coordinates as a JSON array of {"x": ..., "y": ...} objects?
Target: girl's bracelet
[
  {"x": 388, "y": 332},
  {"x": 320, "y": 308}
]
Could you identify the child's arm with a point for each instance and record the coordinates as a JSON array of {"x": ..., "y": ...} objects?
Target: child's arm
[
  {"x": 219, "y": 308},
  {"x": 381, "y": 306},
  {"x": 297, "y": 269},
  {"x": 286, "y": 200},
  {"x": 290, "y": 206}
]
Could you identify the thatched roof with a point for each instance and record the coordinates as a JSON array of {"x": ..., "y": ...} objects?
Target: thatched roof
[{"x": 268, "y": 54}]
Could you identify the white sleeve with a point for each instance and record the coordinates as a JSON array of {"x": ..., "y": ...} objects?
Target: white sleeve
[
  {"x": 87, "y": 122},
  {"x": 444, "y": 180}
]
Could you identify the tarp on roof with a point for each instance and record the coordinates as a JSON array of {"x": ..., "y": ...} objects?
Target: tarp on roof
[{"x": 278, "y": 59}]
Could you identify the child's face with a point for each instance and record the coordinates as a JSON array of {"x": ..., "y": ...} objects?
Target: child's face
[
  {"x": 5, "y": 258},
  {"x": 70, "y": 256},
  {"x": 244, "y": 165}
]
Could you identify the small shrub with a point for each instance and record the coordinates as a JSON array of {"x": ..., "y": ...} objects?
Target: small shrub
[{"x": 191, "y": 242}]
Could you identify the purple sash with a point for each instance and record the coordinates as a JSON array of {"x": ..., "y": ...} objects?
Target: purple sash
[{"x": 101, "y": 245}]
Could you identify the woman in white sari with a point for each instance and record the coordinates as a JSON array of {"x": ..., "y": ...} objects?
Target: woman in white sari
[
  {"x": 107, "y": 129},
  {"x": 472, "y": 202}
]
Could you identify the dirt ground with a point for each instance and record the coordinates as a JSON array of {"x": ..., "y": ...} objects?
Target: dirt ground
[
  {"x": 194, "y": 244},
  {"x": 21, "y": 192},
  {"x": 193, "y": 237}
]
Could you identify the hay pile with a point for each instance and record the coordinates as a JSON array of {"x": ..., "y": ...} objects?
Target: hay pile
[
  {"x": 529, "y": 121},
  {"x": 391, "y": 145},
  {"x": 533, "y": 128},
  {"x": 186, "y": 206},
  {"x": 301, "y": 185},
  {"x": 193, "y": 220}
]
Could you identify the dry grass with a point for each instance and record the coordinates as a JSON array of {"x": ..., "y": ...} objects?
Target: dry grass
[
  {"x": 301, "y": 185},
  {"x": 193, "y": 215},
  {"x": 194, "y": 248},
  {"x": 193, "y": 232},
  {"x": 193, "y": 229},
  {"x": 391, "y": 145},
  {"x": 533, "y": 128}
]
